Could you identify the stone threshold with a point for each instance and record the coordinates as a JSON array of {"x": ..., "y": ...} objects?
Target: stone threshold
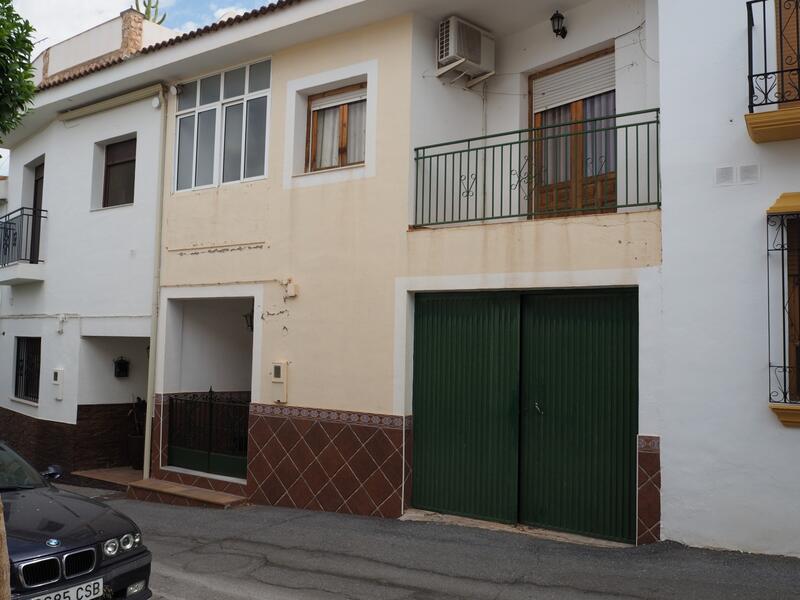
[{"x": 167, "y": 492}]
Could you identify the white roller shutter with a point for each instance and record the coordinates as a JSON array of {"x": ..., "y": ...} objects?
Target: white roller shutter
[{"x": 581, "y": 81}]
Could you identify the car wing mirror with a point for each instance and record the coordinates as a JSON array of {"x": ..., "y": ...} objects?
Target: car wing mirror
[{"x": 52, "y": 472}]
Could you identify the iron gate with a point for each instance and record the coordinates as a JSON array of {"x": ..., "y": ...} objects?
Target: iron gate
[{"x": 208, "y": 433}]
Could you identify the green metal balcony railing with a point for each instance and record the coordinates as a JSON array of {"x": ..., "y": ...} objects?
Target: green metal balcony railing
[{"x": 601, "y": 165}]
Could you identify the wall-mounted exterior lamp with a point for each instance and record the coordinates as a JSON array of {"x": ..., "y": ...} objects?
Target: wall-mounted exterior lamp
[{"x": 558, "y": 25}]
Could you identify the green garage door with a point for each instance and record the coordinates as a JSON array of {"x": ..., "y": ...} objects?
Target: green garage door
[
  {"x": 579, "y": 414},
  {"x": 525, "y": 408},
  {"x": 466, "y": 405}
]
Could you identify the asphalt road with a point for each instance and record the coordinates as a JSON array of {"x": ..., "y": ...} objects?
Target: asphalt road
[{"x": 280, "y": 554}]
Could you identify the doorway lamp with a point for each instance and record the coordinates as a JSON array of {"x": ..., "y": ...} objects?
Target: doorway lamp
[{"x": 557, "y": 21}]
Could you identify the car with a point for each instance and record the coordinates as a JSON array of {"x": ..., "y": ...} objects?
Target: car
[{"x": 64, "y": 546}]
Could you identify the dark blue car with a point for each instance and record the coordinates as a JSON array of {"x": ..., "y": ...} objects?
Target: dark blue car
[{"x": 64, "y": 546}]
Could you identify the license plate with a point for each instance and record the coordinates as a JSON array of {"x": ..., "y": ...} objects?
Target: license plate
[{"x": 84, "y": 591}]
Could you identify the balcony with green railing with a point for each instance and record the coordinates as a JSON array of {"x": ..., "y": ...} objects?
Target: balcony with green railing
[{"x": 594, "y": 166}]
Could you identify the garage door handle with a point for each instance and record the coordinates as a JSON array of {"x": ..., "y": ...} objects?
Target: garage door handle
[{"x": 538, "y": 408}]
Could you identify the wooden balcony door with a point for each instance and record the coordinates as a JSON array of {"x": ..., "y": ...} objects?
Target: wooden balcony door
[{"x": 575, "y": 157}]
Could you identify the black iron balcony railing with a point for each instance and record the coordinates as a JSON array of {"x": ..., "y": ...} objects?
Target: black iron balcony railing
[
  {"x": 600, "y": 165},
  {"x": 773, "y": 52},
  {"x": 20, "y": 233}
]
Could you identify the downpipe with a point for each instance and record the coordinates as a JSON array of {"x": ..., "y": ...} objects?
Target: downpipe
[{"x": 154, "y": 310}]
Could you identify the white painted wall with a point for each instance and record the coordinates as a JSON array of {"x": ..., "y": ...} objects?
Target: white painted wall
[
  {"x": 730, "y": 474},
  {"x": 98, "y": 264},
  {"x": 216, "y": 347},
  {"x": 591, "y": 26},
  {"x": 153, "y": 33},
  {"x": 96, "y": 381},
  {"x": 59, "y": 351},
  {"x": 95, "y": 42}
]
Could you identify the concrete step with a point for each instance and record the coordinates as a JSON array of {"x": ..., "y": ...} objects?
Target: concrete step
[
  {"x": 167, "y": 492},
  {"x": 115, "y": 479}
]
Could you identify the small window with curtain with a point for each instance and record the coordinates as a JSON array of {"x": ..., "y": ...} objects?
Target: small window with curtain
[
  {"x": 337, "y": 128},
  {"x": 120, "y": 173}
]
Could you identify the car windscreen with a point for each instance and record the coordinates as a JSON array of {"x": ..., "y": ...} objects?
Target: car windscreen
[{"x": 15, "y": 473}]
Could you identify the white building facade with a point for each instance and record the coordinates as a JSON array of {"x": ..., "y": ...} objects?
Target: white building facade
[
  {"x": 729, "y": 476},
  {"x": 78, "y": 241}
]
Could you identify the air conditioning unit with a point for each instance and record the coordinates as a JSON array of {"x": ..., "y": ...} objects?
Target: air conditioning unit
[{"x": 464, "y": 43}]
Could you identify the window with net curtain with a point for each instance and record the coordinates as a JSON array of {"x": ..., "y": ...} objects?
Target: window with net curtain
[{"x": 337, "y": 128}]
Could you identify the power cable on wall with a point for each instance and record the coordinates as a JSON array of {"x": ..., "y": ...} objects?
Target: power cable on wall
[{"x": 484, "y": 88}]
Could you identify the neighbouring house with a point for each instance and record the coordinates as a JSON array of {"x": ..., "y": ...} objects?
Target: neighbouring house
[
  {"x": 370, "y": 246},
  {"x": 413, "y": 255},
  {"x": 77, "y": 253}
]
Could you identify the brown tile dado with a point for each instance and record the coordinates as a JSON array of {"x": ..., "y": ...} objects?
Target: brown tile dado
[
  {"x": 648, "y": 490},
  {"x": 99, "y": 439},
  {"x": 327, "y": 460}
]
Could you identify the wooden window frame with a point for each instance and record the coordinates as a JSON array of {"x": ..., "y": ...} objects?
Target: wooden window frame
[
  {"x": 312, "y": 127},
  {"x": 538, "y": 198},
  {"x": 109, "y": 164}
]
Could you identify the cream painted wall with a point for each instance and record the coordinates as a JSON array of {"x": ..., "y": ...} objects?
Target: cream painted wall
[
  {"x": 342, "y": 244},
  {"x": 347, "y": 245}
]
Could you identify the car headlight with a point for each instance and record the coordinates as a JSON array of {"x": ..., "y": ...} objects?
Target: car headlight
[
  {"x": 126, "y": 542},
  {"x": 111, "y": 547}
]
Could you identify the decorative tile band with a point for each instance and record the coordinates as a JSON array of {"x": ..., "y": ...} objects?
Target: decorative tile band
[
  {"x": 649, "y": 443},
  {"x": 329, "y": 416},
  {"x": 229, "y": 396}
]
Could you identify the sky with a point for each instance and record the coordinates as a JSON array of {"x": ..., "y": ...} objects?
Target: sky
[{"x": 57, "y": 20}]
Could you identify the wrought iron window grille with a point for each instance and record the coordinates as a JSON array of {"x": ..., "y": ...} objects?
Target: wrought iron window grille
[{"x": 783, "y": 306}]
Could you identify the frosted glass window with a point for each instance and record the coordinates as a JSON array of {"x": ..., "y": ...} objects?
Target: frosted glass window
[
  {"x": 234, "y": 83},
  {"x": 206, "y": 132},
  {"x": 188, "y": 97},
  {"x": 255, "y": 137},
  {"x": 185, "y": 151},
  {"x": 259, "y": 76},
  {"x": 232, "y": 151},
  {"x": 209, "y": 90},
  {"x": 222, "y": 127}
]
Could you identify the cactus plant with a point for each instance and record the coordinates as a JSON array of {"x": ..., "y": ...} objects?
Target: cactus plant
[{"x": 150, "y": 11}]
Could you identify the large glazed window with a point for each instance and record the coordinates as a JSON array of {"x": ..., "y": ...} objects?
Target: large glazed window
[
  {"x": 337, "y": 128},
  {"x": 221, "y": 129},
  {"x": 26, "y": 373}
]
